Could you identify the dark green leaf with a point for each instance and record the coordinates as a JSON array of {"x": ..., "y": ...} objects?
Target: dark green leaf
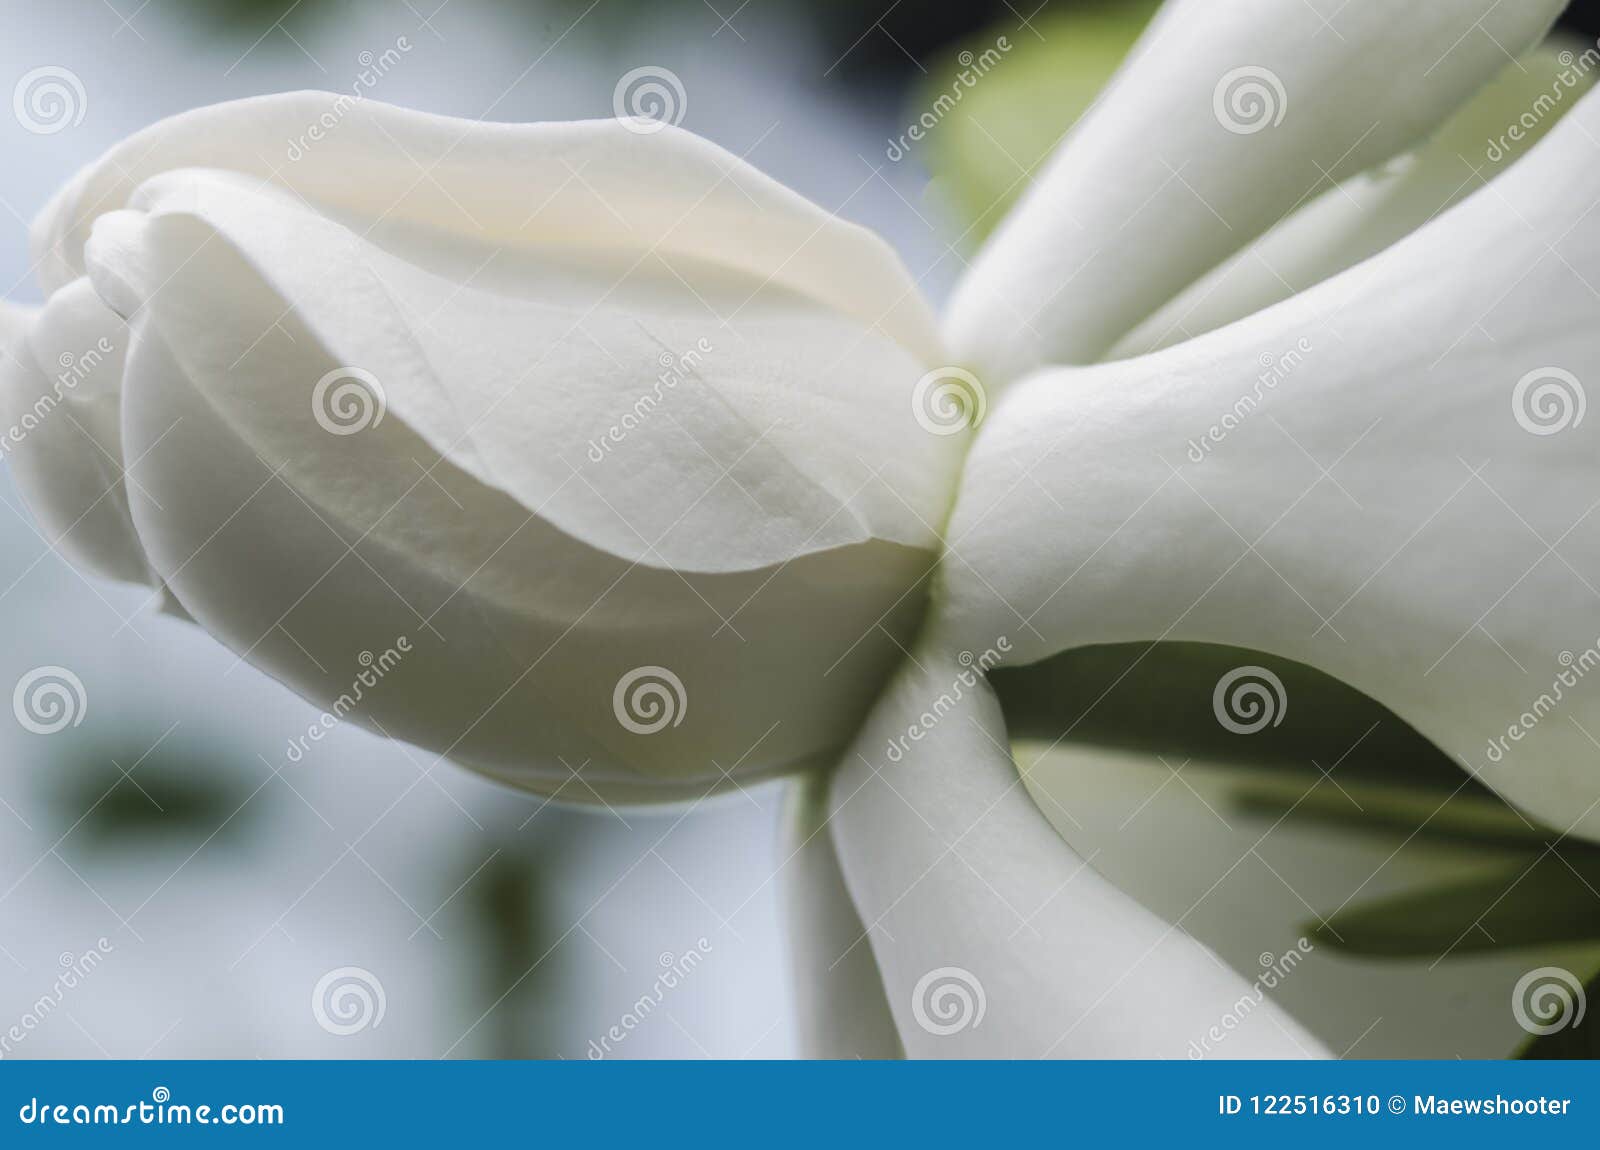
[
  {"x": 1157, "y": 698},
  {"x": 1542, "y": 899},
  {"x": 175, "y": 794},
  {"x": 1428, "y": 812}
]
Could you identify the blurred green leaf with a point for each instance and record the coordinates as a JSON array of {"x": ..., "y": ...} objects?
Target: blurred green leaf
[
  {"x": 115, "y": 795},
  {"x": 1157, "y": 698},
  {"x": 508, "y": 899},
  {"x": 512, "y": 903},
  {"x": 1541, "y": 899},
  {"x": 1430, "y": 812},
  {"x": 983, "y": 151}
]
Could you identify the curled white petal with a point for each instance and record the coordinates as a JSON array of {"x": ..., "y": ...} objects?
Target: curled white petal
[
  {"x": 1009, "y": 945},
  {"x": 1224, "y": 118},
  {"x": 509, "y": 438},
  {"x": 1379, "y": 510}
]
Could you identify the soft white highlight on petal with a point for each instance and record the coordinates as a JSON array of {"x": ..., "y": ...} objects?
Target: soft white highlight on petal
[
  {"x": 1391, "y": 477},
  {"x": 841, "y": 1011},
  {"x": 788, "y": 429},
  {"x": 307, "y": 551},
  {"x": 994, "y": 938},
  {"x": 1226, "y": 117},
  {"x": 519, "y": 185},
  {"x": 60, "y": 381},
  {"x": 552, "y": 403},
  {"x": 1367, "y": 213}
]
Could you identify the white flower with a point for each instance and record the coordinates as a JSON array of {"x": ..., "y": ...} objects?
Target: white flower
[
  {"x": 580, "y": 401},
  {"x": 411, "y": 383}
]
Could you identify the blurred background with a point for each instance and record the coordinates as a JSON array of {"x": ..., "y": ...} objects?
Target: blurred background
[{"x": 229, "y": 888}]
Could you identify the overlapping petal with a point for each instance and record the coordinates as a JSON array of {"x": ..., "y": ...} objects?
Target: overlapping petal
[
  {"x": 1226, "y": 117},
  {"x": 567, "y": 407},
  {"x": 840, "y": 1008},
  {"x": 782, "y": 429},
  {"x": 643, "y": 184},
  {"x": 994, "y": 938},
  {"x": 1365, "y": 214},
  {"x": 1391, "y": 477},
  {"x": 602, "y": 449},
  {"x": 60, "y": 399}
]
